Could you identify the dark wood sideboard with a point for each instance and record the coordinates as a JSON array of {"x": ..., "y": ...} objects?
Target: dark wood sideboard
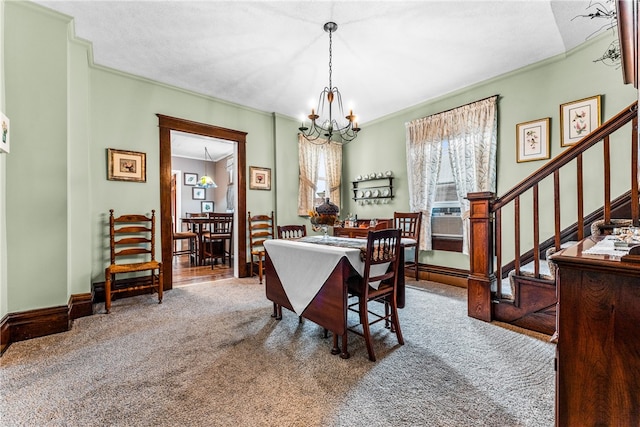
[
  {"x": 598, "y": 351},
  {"x": 362, "y": 228}
]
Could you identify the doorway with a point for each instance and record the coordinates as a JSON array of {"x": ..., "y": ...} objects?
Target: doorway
[{"x": 168, "y": 124}]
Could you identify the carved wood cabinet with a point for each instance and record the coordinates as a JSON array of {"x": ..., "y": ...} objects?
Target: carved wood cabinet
[{"x": 598, "y": 352}]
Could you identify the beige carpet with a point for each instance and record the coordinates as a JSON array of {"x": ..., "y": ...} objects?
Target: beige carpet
[{"x": 211, "y": 355}]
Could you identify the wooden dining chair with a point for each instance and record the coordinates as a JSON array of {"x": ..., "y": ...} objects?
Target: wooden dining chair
[
  {"x": 200, "y": 229},
  {"x": 409, "y": 224},
  {"x": 383, "y": 247},
  {"x": 292, "y": 231},
  {"x": 191, "y": 238},
  {"x": 218, "y": 239},
  {"x": 261, "y": 228},
  {"x": 132, "y": 240}
]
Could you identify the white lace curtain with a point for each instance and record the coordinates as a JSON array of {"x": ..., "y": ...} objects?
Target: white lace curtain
[
  {"x": 471, "y": 132},
  {"x": 309, "y": 155}
]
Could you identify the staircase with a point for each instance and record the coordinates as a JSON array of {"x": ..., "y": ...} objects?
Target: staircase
[{"x": 522, "y": 291}]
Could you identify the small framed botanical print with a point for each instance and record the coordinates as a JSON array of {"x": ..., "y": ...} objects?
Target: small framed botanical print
[
  {"x": 259, "y": 178},
  {"x": 207, "y": 207},
  {"x": 190, "y": 178},
  {"x": 532, "y": 139},
  {"x": 198, "y": 193},
  {"x": 578, "y": 119}
]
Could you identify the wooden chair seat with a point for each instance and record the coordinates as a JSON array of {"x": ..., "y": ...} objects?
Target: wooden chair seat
[
  {"x": 192, "y": 248},
  {"x": 131, "y": 237}
]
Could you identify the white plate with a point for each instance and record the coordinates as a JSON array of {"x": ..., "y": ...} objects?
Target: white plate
[
  {"x": 367, "y": 193},
  {"x": 385, "y": 192},
  {"x": 360, "y": 194},
  {"x": 376, "y": 193}
]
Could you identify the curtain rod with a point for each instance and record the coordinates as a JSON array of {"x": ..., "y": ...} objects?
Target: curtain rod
[{"x": 454, "y": 108}]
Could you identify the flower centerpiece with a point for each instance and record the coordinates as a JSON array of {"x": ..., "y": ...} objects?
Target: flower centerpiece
[{"x": 324, "y": 215}]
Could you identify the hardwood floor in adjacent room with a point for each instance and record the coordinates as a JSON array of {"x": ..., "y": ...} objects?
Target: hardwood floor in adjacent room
[{"x": 186, "y": 274}]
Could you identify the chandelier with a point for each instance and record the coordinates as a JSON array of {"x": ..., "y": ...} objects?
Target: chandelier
[
  {"x": 206, "y": 181},
  {"x": 323, "y": 124}
]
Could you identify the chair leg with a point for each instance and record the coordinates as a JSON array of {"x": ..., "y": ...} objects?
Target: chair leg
[
  {"x": 260, "y": 269},
  {"x": 396, "y": 322},
  {"x": 416, "y": 266},
  {"x": 366, "y": 332},
  {"x": 107, "y": 291},
  {"x": 160, "y": 284}
]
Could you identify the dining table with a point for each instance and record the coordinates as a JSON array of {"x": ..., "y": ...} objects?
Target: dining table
[{"x": 309, "y": 277}]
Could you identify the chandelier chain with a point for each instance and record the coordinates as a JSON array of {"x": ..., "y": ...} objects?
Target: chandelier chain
[{"x": 330, "y": 57}]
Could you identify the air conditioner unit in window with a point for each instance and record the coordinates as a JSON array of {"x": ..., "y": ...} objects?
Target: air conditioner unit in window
[{"x": 446, "y": 221}]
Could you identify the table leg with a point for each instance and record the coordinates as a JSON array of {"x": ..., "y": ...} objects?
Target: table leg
[{"x": 335, "y": 349}]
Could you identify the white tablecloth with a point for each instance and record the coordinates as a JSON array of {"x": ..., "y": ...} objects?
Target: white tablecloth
[{"x": 304, "y": 267}]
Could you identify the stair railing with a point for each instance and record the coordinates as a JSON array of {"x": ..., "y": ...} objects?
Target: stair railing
[{"x": 486, "y": 213}]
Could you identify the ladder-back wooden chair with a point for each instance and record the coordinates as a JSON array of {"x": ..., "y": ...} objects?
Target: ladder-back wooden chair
[
  {"x": 379, "y": 283},
  {"x": 261, "y": 228},
  {"x": 409, "y": 225},
  {"x": 132, "y": 246},
  {"x": 292, "y": 231}
]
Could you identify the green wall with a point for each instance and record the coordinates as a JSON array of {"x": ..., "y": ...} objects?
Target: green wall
[
  {"x": 527, "y": 94},
  {"x": 65, "y": 112}
]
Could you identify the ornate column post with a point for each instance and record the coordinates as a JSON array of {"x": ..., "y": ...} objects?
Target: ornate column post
[{"x": 481, "y": 253}]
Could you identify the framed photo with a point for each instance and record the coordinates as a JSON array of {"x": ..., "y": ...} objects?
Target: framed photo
[
  {"x": 5, "y": 143},
  {"x": 206, "y": 207},
  {"x": 578, "y": 119},
  {"x": 533, "y": 140},
  {"x": 190, "y": 178},
  {"x": 126, "y": 165},
  {"x": 198, "y": 193},
  {"x": 259, "y": 178}
]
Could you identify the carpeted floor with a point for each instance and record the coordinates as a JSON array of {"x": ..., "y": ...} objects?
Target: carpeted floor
[{"x": 211, "y": 355}]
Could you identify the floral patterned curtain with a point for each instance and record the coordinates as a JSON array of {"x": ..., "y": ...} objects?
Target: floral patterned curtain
[
  {"x": 471, "y": 131},
  {"x": 424, "y": 150}
]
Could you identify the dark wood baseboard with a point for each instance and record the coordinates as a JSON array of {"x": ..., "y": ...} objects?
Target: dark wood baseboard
[
  {"x": 80, "y": 305},
  {"x": 43, "y": 321},
  {"x": 98, "y": 288},
  {"x": 441, "y": 274}
]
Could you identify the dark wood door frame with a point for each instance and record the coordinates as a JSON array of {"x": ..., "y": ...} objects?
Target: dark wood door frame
[{"x": 166, "y": 125}]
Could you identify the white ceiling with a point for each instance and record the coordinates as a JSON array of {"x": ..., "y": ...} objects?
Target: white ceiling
[{"x": 273, "y": 55}]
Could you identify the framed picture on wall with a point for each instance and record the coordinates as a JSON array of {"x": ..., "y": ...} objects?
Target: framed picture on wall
[
  {"x": 190, "y": 178},
  {"x": 259, "y": 178},
  {"x": 125, "y": 165},
  {"x": 532, "y": 140},
  {"x": 198, "y": 193},
  {"x": 5, "y": 144},
  {"x": 578, "y": 119},
  {"x": 207, "y": 207}
]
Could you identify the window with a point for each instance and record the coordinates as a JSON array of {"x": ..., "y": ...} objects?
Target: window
[{"x": 445, "y": 213}]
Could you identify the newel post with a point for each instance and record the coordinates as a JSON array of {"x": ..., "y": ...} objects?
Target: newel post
[{"x": 481, "y": 274}]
